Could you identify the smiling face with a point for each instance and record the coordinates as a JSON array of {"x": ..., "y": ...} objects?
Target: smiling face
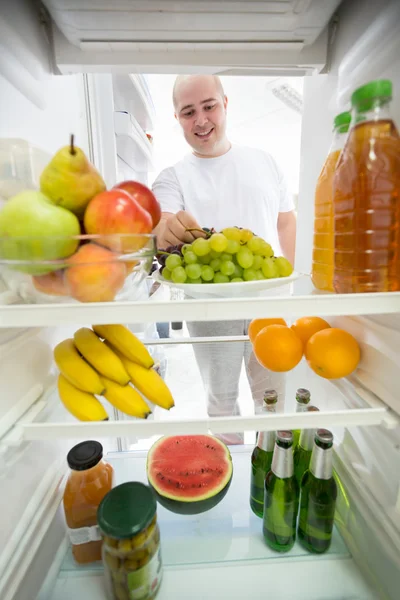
[{"x": 200, "y": 107}]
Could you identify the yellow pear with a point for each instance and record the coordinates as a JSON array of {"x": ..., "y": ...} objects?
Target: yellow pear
[{"x": 70, "y": 180}]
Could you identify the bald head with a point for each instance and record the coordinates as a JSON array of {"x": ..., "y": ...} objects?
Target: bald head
[
  {"x": 185, "y": 82},
  {"x": 200, "y": 108}
]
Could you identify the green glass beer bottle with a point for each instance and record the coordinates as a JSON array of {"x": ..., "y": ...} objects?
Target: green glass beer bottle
[
  {"x": 261, "y": 458},
  {"x": 302, "y": 453},
  {"x": 318, "y": 496},
  {"x": 303, "y": 397},
  {"x": 281, "y": 498}
]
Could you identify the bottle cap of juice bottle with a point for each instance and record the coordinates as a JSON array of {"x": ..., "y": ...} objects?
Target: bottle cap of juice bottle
[
  {"x": 364, "y": 97},
  {"x": 342, "y": 122},
  {"x": 85, "y": 455}
]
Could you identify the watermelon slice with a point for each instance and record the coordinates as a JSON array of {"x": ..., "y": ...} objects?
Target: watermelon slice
[{"x": 189, "y": 473}]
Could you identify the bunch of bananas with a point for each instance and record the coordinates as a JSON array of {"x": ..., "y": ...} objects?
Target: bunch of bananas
[{"x": 104, "y": 361}]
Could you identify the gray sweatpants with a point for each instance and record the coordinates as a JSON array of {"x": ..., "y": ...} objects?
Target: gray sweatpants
[{"x": 220, "y": 364}]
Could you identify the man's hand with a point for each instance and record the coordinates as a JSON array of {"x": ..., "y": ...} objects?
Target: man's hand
[{"x": 172, "y": 229}]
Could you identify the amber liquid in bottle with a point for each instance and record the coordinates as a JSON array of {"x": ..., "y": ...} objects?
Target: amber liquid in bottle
[{"x": 367, "y": 209}]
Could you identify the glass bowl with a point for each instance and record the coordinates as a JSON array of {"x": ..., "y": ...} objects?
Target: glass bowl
[{"x": 93, "y": 268}]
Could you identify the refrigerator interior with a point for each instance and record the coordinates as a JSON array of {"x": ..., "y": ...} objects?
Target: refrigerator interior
[{"x": 112, "y": 113}]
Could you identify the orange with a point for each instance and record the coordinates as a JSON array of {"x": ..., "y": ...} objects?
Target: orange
[
  {"x": 305, "y": 327},
  {"x": 257, "y": 324},
  {"x": 278, "y": 348},
  {"x": 332, "y": 353}
]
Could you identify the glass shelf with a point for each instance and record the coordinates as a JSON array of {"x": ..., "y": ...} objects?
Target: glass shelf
[
  {"x": 229, "y": 533},
  {"x": 297, "y": 300}
]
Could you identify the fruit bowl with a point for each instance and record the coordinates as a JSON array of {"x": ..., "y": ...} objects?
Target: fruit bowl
[
  {"x": 94, "y": 268},
  {"x": 239, "y": 289}
]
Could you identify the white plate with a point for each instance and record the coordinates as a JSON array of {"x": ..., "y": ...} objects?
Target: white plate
[{"x": 228, "y": 290}]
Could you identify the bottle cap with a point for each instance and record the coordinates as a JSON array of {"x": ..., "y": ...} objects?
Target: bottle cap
[
  {"x": 85, "y": 455},
  {"x": 342, "y": 122},
  {"x": 303, "y": 396},
  {"x": 323, "y": 437},
  {"x": 270, "y": 397},
  {"x": 284, "y": 436},
  {"x": 311, "y": 408},
  {"x": 363, "y": 97},
  {"x": 126, "y": 510}
]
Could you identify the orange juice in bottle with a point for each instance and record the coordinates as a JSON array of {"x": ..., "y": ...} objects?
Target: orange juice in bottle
[
  {"x": 322, "y": 263},
  {"x": 366, "y": 195}
]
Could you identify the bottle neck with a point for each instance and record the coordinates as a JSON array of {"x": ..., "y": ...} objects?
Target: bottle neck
[
  {"x": 307, "y": 439},
  {"x": 282, "y": 462},
  {"x": 266, "y": 440},
  {"x": 301, "y": 407},
  {"x": 321, "y": 462},
  {"x": 379, "y": 111},
  {"x": 339, "y": 139}
]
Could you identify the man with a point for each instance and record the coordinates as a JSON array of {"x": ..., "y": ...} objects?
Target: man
[{"x": 219, "y": 185}]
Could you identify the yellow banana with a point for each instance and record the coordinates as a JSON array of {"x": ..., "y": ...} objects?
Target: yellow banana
[
  {"x": 126, "y": 399},
  {"x": 76, "y": 369},
  {"x": 148, "y": 382},
  {"x": 126, "y": 342},
  {"x": 82, "y": 405},
  {"x": 100, "y": 356}
]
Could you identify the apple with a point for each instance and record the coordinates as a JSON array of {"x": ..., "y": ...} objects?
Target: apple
[
  {"x": 143, "y": 196},
  {"x": 52, "y": 284},
  {"x": 94, "y": 274},
  {"x": 116, "y": 212},
  {"x": 33, "y": 230}
]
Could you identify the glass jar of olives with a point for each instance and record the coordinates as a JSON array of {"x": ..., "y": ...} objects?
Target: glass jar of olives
[{"x": 131, "y": 542}]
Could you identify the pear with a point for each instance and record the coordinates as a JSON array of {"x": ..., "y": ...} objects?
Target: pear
[
  {"x": 32, "y": 228},
  {"x": 70, "y": 180}
]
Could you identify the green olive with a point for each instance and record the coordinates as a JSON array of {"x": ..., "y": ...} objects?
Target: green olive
[
  {"x": 138, "y": 541},
  {"x": 144, "y": 560},
  {"x": 124, "y": 546},
  {"x": 131, "y": 565},
  {"x": 111, "y": 542}
]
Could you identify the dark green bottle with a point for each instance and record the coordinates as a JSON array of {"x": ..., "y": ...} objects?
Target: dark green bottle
[
  {"x": 303, "y": 397},
  {"x": 261, "y": 458},
  {"x": 318, "y": 496},
  {"x": 302, "y": 453},
  {"x": 281, "y": 499}
]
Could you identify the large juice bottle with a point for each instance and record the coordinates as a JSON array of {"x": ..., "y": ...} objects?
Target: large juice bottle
[
  {"x": 366, "y": 192},
  {"x": 322, "y": 263}
]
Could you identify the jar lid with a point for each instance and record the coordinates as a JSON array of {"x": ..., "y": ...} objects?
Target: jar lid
[
  {"x": 126, "y": 510},
  {"x": 85, "y": 455}
]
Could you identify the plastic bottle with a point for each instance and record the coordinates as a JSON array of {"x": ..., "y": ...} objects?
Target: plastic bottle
[
  {"x": 323, "y": 251},
  {"x": 366, "y": 192}
]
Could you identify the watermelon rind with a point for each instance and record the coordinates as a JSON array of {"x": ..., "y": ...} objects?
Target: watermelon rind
[{"x": 190, "y": 506}]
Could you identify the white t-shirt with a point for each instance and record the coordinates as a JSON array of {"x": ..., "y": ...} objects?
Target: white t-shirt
[{"x": 243, "y": 187}]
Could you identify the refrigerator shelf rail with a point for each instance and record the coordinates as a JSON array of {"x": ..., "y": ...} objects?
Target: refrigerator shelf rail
[{"x": 207, "y": 309}]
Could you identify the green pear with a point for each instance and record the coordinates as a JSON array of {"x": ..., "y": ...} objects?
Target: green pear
[
  {"x": 70, "y": 180},
  {"x": 32, "y": 228}
]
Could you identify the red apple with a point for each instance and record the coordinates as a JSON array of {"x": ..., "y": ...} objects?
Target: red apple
[
  {"x": 143, "y": 196},
  {"x": 116, "y": 212}
]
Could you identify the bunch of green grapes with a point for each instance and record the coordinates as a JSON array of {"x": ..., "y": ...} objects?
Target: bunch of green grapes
[{"x": 231, "y": 255}]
